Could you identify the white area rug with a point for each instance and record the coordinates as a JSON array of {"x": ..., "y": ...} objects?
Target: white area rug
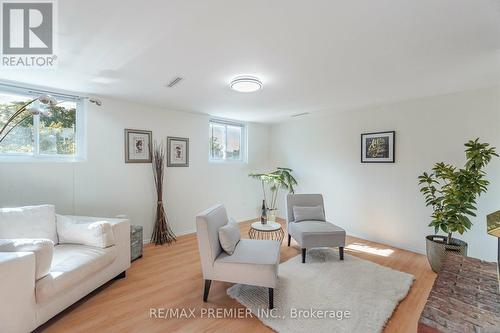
[{"x": 367, "y": 291}]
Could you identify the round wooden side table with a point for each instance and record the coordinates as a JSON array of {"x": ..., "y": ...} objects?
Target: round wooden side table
[{"x": 271, "y": 231}]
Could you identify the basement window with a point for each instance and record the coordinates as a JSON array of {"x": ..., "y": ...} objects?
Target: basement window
[
  {"x": 227, "y": 141},
  {"x": 55, "y": 134}
]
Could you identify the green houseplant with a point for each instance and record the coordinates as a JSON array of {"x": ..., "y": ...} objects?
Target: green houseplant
[
  {"x": 452, "y": 194},
  {"x": 281, "y": 178}
]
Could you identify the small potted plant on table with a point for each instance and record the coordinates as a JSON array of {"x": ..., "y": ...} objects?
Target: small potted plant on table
[{"x": 452, "y": 193}]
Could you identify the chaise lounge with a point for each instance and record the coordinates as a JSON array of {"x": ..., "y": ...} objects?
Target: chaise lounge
[{"x": 307, "y": 225}]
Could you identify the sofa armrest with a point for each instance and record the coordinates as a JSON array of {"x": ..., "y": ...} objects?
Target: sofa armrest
[
  {"x": 17, "y": 291},
  {"x": 121, "y": 230},
  {"x": 43, "y": 249}
]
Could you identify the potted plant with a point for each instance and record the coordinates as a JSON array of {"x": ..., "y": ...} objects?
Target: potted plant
[
  {"x": 281, "y": 178},
  {"x": 452, "y": 193}
]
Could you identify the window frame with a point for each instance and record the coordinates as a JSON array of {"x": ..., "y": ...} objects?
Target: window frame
[
  {"x": 243, "y": 142},
  {"x": 35, "y": 156}
]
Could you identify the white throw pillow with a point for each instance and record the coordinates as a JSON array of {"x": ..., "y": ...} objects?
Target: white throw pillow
[
  {"x": 98, "y": 234},
  {"x": 229, "y": 236},
  {"x": 42, "y": 248},
  {"x": 314, "y": 213},
  {"x": 29, "y": 222}
]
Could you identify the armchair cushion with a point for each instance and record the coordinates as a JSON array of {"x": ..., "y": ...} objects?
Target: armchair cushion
[
  {"x": 97, "y": 233},
  {"x": 254, "y": 262},
  {"x": 312, "y": 213},
  {"x": 28, "y": 222},
  {"x": 42, "y": 248},
  {"x": 316, "y": 234},
  {"x": 229, "y": 236}
]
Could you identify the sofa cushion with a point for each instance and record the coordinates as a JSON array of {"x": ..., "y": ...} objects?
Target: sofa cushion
[
  {"x": 29, "y": 222},
  {"x": 311, "y": 213},
  {"x": 229, "y": 236},
  {"x": 253, "y": 262},
  {"x": 98, "y": 233},
  {"x": 317, "y": 234},
  {"x": 42, "y": 248},
  {"x": 70, "y": 265}
]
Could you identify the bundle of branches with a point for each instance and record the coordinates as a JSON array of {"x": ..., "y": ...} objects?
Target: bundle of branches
[{"x": 162, "y": 233}]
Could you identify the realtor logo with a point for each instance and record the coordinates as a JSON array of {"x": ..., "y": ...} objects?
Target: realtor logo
[{"x": 28, "y": 34}]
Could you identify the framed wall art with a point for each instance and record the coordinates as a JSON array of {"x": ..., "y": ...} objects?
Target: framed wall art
[
  {"x": 138, "y": 146},
  {"x": 178, "y": 152},
  {"x": 378, "y": 147}
]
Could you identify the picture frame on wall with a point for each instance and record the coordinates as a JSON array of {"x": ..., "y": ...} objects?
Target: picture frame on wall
[
  {"x": 378, "y": 147},
  {"x": 177, "y": 151},
  {"x": 138, "y": 146}
]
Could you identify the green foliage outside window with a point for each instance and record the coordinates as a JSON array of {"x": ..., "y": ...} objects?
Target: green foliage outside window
[{"x": 57, "y": 130}]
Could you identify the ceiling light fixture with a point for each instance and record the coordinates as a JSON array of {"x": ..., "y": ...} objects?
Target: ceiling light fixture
[{"x": 246, "y": 84}]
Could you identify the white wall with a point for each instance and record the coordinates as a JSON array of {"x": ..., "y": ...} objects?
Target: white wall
[
  {"x": 105, "y": 186},
  {"x": 381, "y": 202}
]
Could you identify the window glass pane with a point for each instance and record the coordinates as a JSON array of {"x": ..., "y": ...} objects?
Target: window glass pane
[
  {"x": 226, "y": 141},
  {"x": 58, "y": 129},
  {"x": 218, "y": 141},
  {"x": 233, "y": 142},
  {"x": 20, "y": 139}
]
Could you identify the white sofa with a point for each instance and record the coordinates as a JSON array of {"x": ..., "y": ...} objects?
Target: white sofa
[{"x": 50, "y": 261}]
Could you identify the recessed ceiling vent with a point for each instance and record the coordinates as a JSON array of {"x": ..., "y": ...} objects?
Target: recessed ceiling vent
[
  {"x": 174, "y": 82},
  {"x": 300, "y": 114}
]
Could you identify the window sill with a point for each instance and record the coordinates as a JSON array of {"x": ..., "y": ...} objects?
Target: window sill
[
  {"x": 228, "y": 161},
  {"x": 6, "y": 158}
]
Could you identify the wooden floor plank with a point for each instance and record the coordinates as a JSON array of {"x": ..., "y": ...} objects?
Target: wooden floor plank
[{"x": 170, "y": 277}]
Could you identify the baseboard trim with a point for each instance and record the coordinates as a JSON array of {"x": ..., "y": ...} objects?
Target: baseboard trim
[
  {"x": 180, "y": 234},
  {"x": 193, "y": 231}
]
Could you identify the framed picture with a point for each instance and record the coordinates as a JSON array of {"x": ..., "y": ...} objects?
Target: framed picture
[
  {"x": 138, "y": 146},
  {"x": 378, "y": 147},
  {"x": 178, "y": 152}
]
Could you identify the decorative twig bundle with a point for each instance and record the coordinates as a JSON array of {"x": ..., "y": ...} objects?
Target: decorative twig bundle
[{"x": 161, "y": 233}]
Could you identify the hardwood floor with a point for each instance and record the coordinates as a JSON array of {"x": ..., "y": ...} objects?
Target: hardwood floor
[{"x": 170, "y": 277}]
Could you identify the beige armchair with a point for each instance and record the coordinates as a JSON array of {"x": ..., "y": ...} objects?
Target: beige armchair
[
  {"x": 254, "y": 262},
  {"x": 312, "y": 233}
]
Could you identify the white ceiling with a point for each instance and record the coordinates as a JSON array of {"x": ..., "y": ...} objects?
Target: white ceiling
[{"x": 310, "y": 55}]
